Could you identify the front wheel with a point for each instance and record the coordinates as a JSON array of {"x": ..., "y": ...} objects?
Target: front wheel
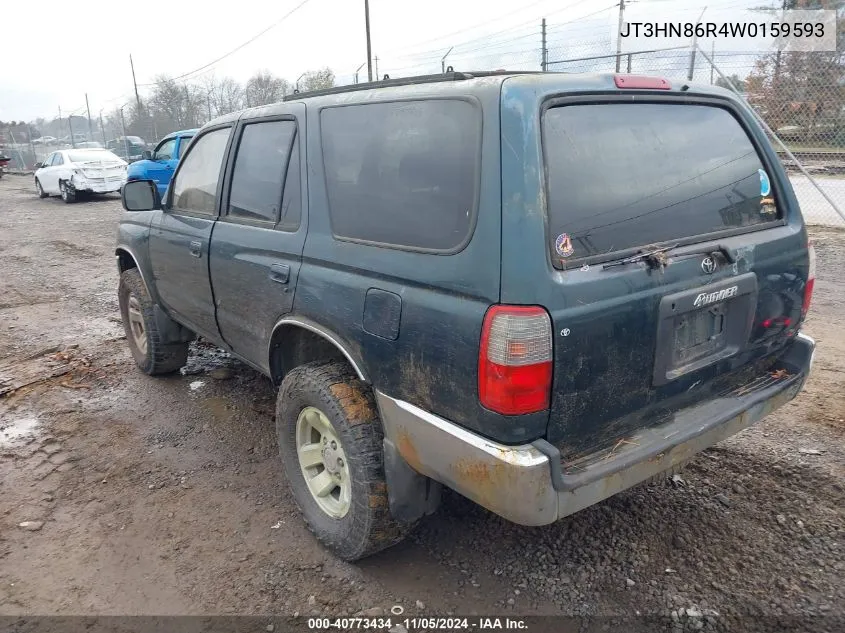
[
  {"x": 330, "y": 441},
  {"x": 137, "y": 311},
  {"x": 39, "y": 189}
]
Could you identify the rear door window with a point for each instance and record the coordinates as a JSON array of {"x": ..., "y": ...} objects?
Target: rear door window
[
  {"x": 402, "y": 174},
  {"x": 183, "y": 145},
  {"x": 260, "y": 166},
  {"x": 621, "y": 176}
]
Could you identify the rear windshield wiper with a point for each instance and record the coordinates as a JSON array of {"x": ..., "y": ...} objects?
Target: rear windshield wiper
[{"x": 656, "y": 258}]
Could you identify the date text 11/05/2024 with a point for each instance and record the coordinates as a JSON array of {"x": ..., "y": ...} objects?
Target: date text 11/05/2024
[{"x": 418, "y": 623}]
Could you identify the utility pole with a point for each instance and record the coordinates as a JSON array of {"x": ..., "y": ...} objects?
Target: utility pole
[
  {"x": 369, "y": 49},
  {"x": 123, "y": 128},
  {"x": 712, "y": 61},
  {"x": 777, "y": 57},
  {"x": 376, "y": 66},
  {"x": 619, "y": 34},
  {"x": 135, "y": 83},
  {"x": 137, "y": 97},
  {"x": 60, "y": 120},
  {"x": 70, "y": 127},
  {"x": 544, "y": 53},
  {"x": 102, "y": 128},
  {"x": 188, "y": 108},
  {"x": 357, "y": 70},
  {"x": 691, "y": 71},
  {"x": 443, "y": 60},
  {"x": 90, "y": 130}
]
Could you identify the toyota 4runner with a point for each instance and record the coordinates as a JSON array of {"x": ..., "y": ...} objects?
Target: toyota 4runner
[{"x": 536, "y": 289}]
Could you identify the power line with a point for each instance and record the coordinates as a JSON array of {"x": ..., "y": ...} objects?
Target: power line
[
  {"x": 480, "y": 24},
  {"x": 236, "y": 49}
]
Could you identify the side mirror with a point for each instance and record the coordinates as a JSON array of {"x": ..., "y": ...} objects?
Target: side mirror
[
  {"x": 39, "y": 165},
  {"x": 147, "y": 155},
  {"x": 140, "y": 195}
]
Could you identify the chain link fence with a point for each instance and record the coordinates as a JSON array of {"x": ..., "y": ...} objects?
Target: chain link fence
[{"x": 800, "y": 98}]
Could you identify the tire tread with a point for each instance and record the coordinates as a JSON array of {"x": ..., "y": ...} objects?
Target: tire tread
[{"x": 344, "y": 396}]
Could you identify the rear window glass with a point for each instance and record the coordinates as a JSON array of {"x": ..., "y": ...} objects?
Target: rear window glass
[
  {"x": 402, "y": 173},
  {"x": 622, "y": 176}
]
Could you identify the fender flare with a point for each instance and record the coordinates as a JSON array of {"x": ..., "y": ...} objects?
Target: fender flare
[
  {"x": 316, "y": 328},
  {"x": 128, "y": 251}
]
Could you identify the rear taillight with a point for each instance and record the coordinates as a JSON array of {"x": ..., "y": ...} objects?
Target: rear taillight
[
  {"x": 811, "y": 281},
  {"x": 515, "y": 360}
]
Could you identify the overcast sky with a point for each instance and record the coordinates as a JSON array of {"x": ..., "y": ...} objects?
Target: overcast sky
[{"x": 55, "y": 51}]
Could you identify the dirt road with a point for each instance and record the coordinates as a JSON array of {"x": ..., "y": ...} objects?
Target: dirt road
[{"x": 144, "y": 495}]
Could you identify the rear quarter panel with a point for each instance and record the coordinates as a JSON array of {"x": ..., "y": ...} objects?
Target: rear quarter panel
[{"x": 433, "y": 361}]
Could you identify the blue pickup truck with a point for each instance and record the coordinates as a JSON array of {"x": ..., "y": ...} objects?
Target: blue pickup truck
[
  {"x": 537, "y": 289},
  {"x": 159, "y": 164}
]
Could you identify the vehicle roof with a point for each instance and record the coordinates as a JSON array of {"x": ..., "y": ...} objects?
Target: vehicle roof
[
  {"x": 463, "y": 84},
  {"x": 192, "y": 131}
]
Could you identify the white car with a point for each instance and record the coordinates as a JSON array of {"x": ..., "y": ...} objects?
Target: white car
[{"x": 70, "y": 173}]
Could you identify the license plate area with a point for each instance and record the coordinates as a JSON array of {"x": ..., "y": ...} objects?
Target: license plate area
[{"x": 699, "y": 327}]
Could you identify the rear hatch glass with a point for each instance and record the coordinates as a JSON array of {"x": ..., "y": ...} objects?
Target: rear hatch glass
[
  {"x": 625, "y": 175},
  {"x": 637, "y": 342}
]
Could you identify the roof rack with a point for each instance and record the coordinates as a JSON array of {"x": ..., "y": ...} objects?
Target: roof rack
[{"x": 387, "y": 82}]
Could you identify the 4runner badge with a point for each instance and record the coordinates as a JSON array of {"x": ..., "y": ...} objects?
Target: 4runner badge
[{"x": 706, "y": 298}]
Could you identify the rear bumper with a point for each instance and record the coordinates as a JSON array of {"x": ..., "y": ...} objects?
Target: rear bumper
[
  {"x": 100, "y": 187},
  {"x": 527, "y": 484}
]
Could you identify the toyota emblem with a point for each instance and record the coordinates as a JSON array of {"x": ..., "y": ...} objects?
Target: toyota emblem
[{"x": 708, "y": 265}]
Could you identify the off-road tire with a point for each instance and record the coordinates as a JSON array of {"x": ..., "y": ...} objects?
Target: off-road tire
[
  {"x": 348, "y": 403},
  {"x": 40, "y": 189},
  {"x": 160, "y": 358},
  {"x": 68, "y": 191}
]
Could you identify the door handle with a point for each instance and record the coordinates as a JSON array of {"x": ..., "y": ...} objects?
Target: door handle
[
  {"x": 280, "y": 273},
  {"x": 196, "y": 248}
]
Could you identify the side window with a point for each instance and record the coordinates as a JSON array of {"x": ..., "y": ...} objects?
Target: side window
[
  {"x": 403, "y": 174},
  {"x": 183, "y": 145},
  {"x": 259, "y": 170},
  {"x": 58, "y": 159},
  {"x": 292, "y": 200},
  {"x": 195, "y": 186},
  {"x": 166, "y": 150},
  {"x": 49, "y": 161}
]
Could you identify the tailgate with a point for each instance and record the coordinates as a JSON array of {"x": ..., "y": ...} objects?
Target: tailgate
[{"x": 676, "y": 260}]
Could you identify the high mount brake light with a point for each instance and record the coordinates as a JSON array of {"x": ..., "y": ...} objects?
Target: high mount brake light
[{"x": 636, "y": 82}]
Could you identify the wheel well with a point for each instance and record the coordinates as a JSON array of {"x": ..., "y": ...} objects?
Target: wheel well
[
  {"x": 292, "y": 346},
  {"x": 125, "y": 261}
]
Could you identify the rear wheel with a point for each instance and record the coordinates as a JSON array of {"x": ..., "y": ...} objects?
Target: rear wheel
[
  {"x": 330, "y": 440},
  {"x": 142, "y": 334},
  {"x": 39, "y": 189},
  {"x": 68, "y": 191}
]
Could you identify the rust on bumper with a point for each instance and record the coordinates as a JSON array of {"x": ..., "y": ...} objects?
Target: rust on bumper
[{"x": 524, "y": 484}]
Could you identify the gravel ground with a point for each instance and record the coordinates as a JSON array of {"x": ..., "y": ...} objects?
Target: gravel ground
[{"x": 164, "y": 496}]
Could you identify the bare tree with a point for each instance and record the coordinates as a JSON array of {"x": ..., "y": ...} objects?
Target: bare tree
[
  {"x": 264, "y": 87},
  {"x": 170, "y": 104},
  {"x": 224, "y": 95},
  {"x": 317, "y": 80}
]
